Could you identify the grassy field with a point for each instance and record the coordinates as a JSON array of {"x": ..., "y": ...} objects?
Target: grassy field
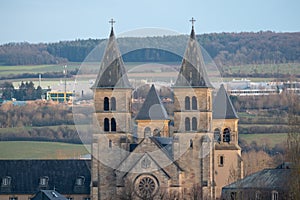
[
  {"x": 40, "y": 150},
  {"x": 265, "y": 139},
  {"x": 55, "y": 150},
  {"x": 20, "y": 69},
  {"x": 288, "y": 68}
]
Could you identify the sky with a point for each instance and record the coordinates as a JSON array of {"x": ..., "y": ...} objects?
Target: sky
[{"x": 57, "y": 20}]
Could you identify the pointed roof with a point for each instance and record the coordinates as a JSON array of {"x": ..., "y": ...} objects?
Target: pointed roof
[
  {"x": 112, "y": 72},
  {"x": 222, "y": 106},
  {"x": 158, "y": 154},
  {"x": 152, "y": 108},
  {"x": 193, "y": 71}
]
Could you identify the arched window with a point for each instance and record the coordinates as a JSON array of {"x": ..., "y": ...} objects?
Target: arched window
[
  {"x": 147, "y": 132},
  {"x": 226, "y": 135},
  {"x": 106, "y": 124},
  {"x": 187, "y": 124},
  {"x": 194, "y": 124},
  {"x": 113, "y": 103},
  {"x": 217, "y": 135},
  {"x": 109, "y": 143},
  {"x": 106, "y": 103},
  {"x": 113, "y": 125},
  {"x": 194, "y": 103},
  {"x": 187, "y": 103},
  {"x": 156, "y": 132}
]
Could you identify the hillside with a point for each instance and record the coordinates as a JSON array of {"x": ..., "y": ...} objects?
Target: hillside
[{"x": 225, "y": 48}]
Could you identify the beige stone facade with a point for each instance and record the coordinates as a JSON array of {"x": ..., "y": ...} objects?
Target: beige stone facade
[{"x": 142, "y": 158}]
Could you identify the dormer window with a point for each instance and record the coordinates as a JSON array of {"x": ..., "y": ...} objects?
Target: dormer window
[
  {"x": 274, "y": 195},
  {"x": 44, "y": 181},
  {"x": 6, "y": 181},
  {"x": 79, "y": 181}
]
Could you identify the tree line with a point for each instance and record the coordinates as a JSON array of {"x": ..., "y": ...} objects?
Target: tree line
[
  {"x": 35, "y": 114},
  {"x": 27, "y": 54},
  {"x": 38, "y": 121},
  {"x": 25, "y": 92},
  {"x": 224, "y": 48},
  {"x": 69, "y": 74}
]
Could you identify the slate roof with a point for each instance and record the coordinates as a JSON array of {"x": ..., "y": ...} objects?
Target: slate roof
[
  {"x": 164, "y": 145},
  {"x": 152, "y": 109},
  {"x": 222, "y": 106},
  {"x": 268, "y": 179},
  {"x": 25, "y": 176},
  {"x": 193, "y": 71},
  {"x": 48, "y": 195},
  {"x": 112, "y": 72}
]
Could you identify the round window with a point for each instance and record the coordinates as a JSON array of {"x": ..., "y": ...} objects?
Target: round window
[{"x": 146, "y": 186}]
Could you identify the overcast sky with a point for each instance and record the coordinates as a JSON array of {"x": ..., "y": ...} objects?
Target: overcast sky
[{"x": 57, "y": 20}]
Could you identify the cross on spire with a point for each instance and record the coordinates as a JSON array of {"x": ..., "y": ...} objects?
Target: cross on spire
[
  {"x": 112, "y": 22},
  {"x": 192, "y": 20}
]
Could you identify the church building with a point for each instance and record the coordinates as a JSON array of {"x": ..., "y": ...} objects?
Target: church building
[{"x": 147, "y": 156}]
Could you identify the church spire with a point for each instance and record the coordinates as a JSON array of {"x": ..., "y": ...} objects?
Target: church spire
[
  {"x": 193, "y": 71},
  {"x": 193, "y": 36},
  {"x": 112, "y": 72},
  {"x": 222, "y": 106},
  {"x": 112, "y": 27}
]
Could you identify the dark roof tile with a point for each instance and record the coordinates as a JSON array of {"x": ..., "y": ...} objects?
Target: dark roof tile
[
  {"x": 48, "y": 195},
  {"x": 265, "y": 179},
  {"x": 25, "y": 175}
]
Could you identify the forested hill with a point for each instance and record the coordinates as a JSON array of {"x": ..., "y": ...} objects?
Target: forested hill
[{"x": 224, "y": 48}]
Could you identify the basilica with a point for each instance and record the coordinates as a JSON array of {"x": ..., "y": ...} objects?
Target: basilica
[{"x": 189, "y": 154}]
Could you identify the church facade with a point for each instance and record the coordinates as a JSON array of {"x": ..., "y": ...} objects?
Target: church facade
[{"x": 147, "y": 157}]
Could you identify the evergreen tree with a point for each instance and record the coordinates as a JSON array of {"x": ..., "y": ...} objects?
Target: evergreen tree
[{"x": 8, "y": 91}]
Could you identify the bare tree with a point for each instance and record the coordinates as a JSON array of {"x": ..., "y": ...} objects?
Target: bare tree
[
  {"x": 196, "y": 192},
  {"x": 293, "y": 144},
  {"x": 256, "y": 160},
  {"x": 128, "y": 191}
]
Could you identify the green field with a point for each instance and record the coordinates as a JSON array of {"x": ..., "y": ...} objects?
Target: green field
[
  {"x": 288, "y": 68},
  {"x": 55, "y": 150},
  {"x": 20, "y": 69},
  {"x": 40, "y": 150}
]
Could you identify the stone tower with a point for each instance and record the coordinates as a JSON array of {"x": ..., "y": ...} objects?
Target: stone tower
[
  {"x": 192, "y": 122},
  {"x": 112, "y": 101},
  {"x": 228, "y": 165},
  {"x": 192, "y": 160}
]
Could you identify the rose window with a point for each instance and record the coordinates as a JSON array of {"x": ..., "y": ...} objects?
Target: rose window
[{"x": 146, "y": 186}]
